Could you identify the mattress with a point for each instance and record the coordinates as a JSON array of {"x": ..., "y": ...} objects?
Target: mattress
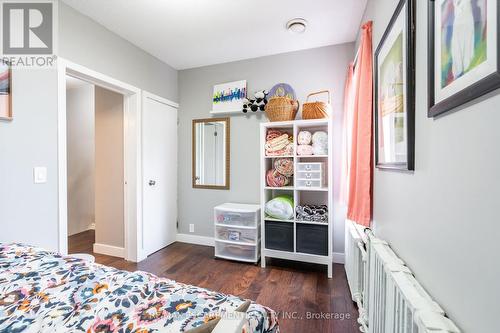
[{"x": 41, "y": 291}]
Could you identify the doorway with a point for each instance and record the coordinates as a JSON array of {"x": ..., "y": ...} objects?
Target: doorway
[
  {"x": 95, "y": 169},
  {"x": 136, "y": 221}
]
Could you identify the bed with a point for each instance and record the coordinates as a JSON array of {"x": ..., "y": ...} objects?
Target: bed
[{"x": 41, "y": 291}]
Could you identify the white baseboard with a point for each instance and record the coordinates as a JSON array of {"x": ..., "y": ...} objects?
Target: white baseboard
[
  {"x": 109, "y": 250},
  {"x": 195, "y": 239},
  {"x": 338, "y": 258}
]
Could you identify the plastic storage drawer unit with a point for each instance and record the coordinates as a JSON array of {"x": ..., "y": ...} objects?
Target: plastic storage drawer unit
[{"x": 237, "y": 232}]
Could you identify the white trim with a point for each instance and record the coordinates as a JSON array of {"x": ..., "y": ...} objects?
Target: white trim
[
  {"x": 195, "y": 239},
  {"x": 159, "y": 99},
  {"x": 231, "y": 112},
  {"x": 109, "y": 250},
  {"x": 133, "y": 250},
  {"x": 338, "y": 258}
]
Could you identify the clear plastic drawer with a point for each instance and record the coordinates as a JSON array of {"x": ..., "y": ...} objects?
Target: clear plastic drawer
[
  {"x": 239, "y": 252},
  {"x": 234, "y": 234},
  {"x": 310, "y": 167},
  {"x": 246, "y": 219}
]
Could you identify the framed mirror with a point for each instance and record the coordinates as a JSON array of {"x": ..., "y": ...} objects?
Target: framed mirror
[{"x": 211, "y": 147}]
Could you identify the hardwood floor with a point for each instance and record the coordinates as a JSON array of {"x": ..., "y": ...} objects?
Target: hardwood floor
[{"x": 290, "y": 288}]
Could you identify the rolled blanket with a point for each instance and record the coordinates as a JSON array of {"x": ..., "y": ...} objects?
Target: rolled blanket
[
  {"x": 304, "y": 138},
  {"x": 304, "y": 150},
  {"x": 320, "y": 138},
  {"x": 319, "y": 150},
  {"x": 284, "y": 166},
  {"x": 312, "y": 213},
  {"x": 280, "y": 207},
  {"x": 276, "y": 179}
]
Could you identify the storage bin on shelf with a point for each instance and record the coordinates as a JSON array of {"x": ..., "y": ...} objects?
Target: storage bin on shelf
[{"x": 310, "y": 175}]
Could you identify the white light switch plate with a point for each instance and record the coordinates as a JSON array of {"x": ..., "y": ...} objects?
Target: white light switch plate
[
  {"x": 191, "y": 228},
  {"x": 40, "y": 175}
]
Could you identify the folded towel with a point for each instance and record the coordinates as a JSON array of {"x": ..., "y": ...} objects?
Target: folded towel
[
  {"x": 304, "y": 150},
  {"x": 304, "y": 138},
  {"x": 312, "y": 213}
]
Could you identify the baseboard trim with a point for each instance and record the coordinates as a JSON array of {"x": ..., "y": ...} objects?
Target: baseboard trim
[
  {"x": 338, "y": 258},
  {"x": 109, "y": 250},
  {"x": 195, "y": 239}
]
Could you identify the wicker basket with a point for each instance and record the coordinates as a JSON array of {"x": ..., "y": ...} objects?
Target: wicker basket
[
  {"x": 281, "y": 109},
  {"x": 316, "y": 110}
]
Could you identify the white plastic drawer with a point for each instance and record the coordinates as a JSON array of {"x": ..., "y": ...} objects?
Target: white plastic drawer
[
  {"x": 236, "y": 218},
  {"x": 310, "y": 167},
  {"x": 237, "y": 234},
  {"x": 307, "y": 175},
  {"x": 309, "y": 183},
  {"x": 248, "y": 253}
]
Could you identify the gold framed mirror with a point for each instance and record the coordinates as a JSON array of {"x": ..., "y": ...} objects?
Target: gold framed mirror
[{"x": 211, "y": 153}]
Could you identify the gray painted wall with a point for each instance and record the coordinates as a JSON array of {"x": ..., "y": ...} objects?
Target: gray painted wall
[
  {"x": 29, "y": 212},
  {"x": 306, "y": 71},
  {"x": 442, "y": 219},
  {"x": 89, "y": 44},
  {"x": 80, "y": 122}
]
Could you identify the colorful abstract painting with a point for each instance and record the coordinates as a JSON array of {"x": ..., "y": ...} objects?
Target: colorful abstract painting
[
  {"x": 463, "y": 38},
  {"x": 228, "y": 97},
  {"x": 5, "y": 105}
]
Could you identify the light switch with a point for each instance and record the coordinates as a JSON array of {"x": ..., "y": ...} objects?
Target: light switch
[{"x": 39, "y": 175}]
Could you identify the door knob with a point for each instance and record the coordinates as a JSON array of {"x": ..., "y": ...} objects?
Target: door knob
[{"x": 152, "y": 183}]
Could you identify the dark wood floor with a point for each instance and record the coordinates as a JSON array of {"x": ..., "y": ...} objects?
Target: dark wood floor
[{"x": 292, "y": 289}]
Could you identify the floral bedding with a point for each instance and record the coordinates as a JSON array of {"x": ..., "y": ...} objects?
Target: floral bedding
[{"x": 41, "y": 291}]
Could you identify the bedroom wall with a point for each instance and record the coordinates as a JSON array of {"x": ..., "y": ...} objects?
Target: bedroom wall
[
  {"x": 29, "y": 212},
  {"x": 109, "y": 204},
  {"x": 80, "y": 119},
  {"x": 441, "y": 219},
  {"x": 306, "y": 71},
  {"x": 87, "y": 43}
]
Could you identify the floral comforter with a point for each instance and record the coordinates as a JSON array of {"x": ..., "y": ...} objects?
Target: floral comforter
[{"x": 42, "y": 291}]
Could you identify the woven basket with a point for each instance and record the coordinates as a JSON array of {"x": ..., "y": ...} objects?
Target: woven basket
[
  {"x": 281, "y": 109},
  {"x": 316, "y": 110}
]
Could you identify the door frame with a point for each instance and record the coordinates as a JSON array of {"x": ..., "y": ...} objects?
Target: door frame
[{"x": 132, "y": 102}]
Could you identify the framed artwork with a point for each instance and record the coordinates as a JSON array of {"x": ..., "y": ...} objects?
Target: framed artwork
[
  {"x": 395, "y": 91},
  {"x": 463, "y": 52},
  {"x": 228, "y": 97},
  {"x": 5, "y": 91}
]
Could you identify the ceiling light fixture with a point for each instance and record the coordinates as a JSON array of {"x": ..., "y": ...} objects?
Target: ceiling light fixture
[{"x": 297, "y": 25}]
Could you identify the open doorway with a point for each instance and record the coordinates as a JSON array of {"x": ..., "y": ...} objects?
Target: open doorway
[{"x": 95, "y": 169}]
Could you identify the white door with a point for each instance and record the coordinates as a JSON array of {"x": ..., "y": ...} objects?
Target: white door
[{"x": 159, "y": 151}]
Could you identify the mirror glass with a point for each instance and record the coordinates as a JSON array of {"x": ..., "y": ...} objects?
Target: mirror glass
[{"x": 211, "y": 153}]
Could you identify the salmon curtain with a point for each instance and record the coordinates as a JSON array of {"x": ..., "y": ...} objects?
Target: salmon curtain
[{"x": 358, "y": 133}]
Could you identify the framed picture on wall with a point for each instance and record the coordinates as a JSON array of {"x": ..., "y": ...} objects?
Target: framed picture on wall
[
  {"x": 395, "y": 91},
  {"x": 228, "y": 97},
  {"x": 5, "y": 91},
  {"x": 464, "y": 54}
]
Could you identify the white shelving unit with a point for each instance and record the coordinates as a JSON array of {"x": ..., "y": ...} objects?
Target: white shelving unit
[
  {"x": 237, "y": 232},
  {"x": 324, "y": 196}
]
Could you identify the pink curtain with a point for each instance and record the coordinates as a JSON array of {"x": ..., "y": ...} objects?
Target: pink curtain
[
  {"x": 347, "y": 137},
  {"x": 358, "y": 122}
]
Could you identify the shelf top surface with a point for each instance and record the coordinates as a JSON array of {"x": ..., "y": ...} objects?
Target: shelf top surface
[{"x": 300, "y": 122}]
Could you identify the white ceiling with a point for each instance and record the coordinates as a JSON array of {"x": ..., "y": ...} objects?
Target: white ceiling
[{"x": 193, "y": 33}]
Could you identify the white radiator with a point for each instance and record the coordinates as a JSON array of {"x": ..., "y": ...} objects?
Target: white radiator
[{"x": 389, "y": 298}]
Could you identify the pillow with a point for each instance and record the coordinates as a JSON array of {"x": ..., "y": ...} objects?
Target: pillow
[
  {"x": 210, "y": 325},
  {"x": 280, "y": 207}
]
